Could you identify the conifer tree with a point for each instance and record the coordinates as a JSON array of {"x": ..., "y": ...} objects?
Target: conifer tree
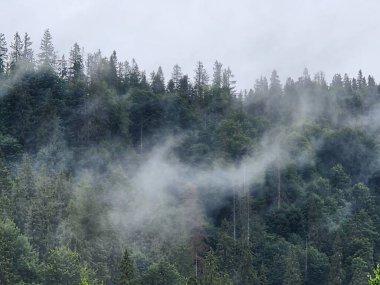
[
  {"x": 3, "y": 55},
  {"x": 16, "y": 51},
  {"x": 47, "y": 56},
  {"x": 158, "y": 81},
  {"x": 76, "y": 63},
  {"x": 126, "y": 271},
  {"x": 200, "y": 79},
  {"x": 27, "y": 53},
  {"x": 176, "y": 76},
  {"x": 217, "y": 76},
  {"x": 275, "y": 88},
  {"x": 5, "y": 190}
]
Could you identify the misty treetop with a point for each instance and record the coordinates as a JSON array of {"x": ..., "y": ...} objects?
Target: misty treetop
[{"x": 110, "y": 175}]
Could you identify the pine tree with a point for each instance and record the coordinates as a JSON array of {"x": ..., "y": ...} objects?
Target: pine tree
[
  {"x": 62, "y": 68},
  {"x": 227, "y": 80},
  {"x": 337, "y": 274},
  {"x": 47, "y": 56},
  {"x": 127, "y": 271},
  {"x": 261, "y": 86},
  {"x": 200, "y": 79},
  {"x": 134, "y": 75},
  {"x": 27, "y": 53},
  {"x": 3, "y": 55},
  {"x": 5, "y": 190},
  {"x": 76, "y": 63},
  {"x": 211, "y": 274},
  {"x": 176, "y": 76},
  {"x": 24, "y": 190},
  {"x": 19, "y": 264},
  {"x": 113, "y": 79},
  {"x": 158, "y": 81},
  {"x": 42, "y": 221},
  {"x": 275, "y": 88},
  {"x": 217, "y": 76},
  {"x": 292, "y": 274},
  {"x": 360, "y": 80},
  {"x": 16, "y": 51}
]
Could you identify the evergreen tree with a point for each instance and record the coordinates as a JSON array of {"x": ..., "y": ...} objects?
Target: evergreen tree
[
  {"x": 3, "y": 55},
  {"x": 127, "y": 272},
  {"x": 27, "y": 53},
  {"x": 227, "y": 80},
  {"x": 62, "y": 267},
  {"x": 200, "y": 79},
  {"x": 16, "y": 51},
  {"x": 275, "y": 88},
  {"x": 62, "y": 68},
  {"x": 292, "y": 274},
  {"x": 47, "y": 56},
  {"x": 212, "y": 274},
  {"x": 158, "y": 81},
  {"x": 76, "y": 63},
  {"x": 5, "y": 190},
  {"x": 24, "y": 190},
  {"x": 176, "y": 76},
  {"x": 113, "y": 72},
  {"x": 134, "y": 75},
  {"x": 162, "y": 273},
  {"x": 217, "y": 76},
  {"x": 19, "y": 264}
]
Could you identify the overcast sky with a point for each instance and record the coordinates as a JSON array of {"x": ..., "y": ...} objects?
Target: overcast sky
[{"x": 253, "y": 37}]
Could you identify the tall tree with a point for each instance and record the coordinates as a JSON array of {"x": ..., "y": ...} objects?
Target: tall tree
[
  {"x": 113, "y": 78},
  {"x": 176, "y": 76},
  {"x": 227, "y": 80},
  {"x": 217, "y": 76},
  {"x": 76, "y": 63},
  {"x": 24, "y": 190},
  {"x": 127, "y": 272},
  {"x": 16, "y": 50},
  {"x": 27, "y": 53},
  {"x": 19, "y": 264},
  {"x": 62, "y": 68},
  {"x": 3, "y": 54},
  {"x": 47, "y": 56},
  {"x": 200, "y": 79},
  {"x": 275, "y": 88},
  {"x": 158, "y": 81},
  {"x": 5, "y": 190},
  {"x": 134, "y": 75}
]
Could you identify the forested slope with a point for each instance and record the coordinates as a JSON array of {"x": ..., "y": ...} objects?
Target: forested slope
[{"x": 108, "y": 175}]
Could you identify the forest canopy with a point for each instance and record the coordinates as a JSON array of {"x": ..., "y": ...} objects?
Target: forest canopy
[{"x": 112, "y": 176}]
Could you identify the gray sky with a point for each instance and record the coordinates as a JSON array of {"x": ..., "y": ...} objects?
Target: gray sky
[{"x": 253, "y": 37}]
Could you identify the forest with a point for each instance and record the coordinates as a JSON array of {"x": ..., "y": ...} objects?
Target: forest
[{"x": 112, "y": 176}]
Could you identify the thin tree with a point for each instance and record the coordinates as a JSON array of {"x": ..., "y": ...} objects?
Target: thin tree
[{"x": 47, "y": 56}]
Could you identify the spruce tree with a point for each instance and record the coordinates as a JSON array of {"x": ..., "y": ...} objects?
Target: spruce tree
[
  {"x": 126, "y": 271},
  {"x": 47, "y": 56},
  {"x": 3, "y": 55},
  {"x": 16, "y": 51}
]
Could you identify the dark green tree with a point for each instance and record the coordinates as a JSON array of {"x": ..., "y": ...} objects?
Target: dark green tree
[
  {"x": 127, "y": 274},
  {"x": 19, "y": 264}
]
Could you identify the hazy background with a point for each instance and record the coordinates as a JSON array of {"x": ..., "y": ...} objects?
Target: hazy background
[{"x": 252, "y": 37}]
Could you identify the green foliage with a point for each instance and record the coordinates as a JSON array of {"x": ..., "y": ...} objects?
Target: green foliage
[
  {"x": 63, "y": 267},
  {"x": 18, "y": 261},
  {"x": 162, "y": 273},
  {"x": 127, "y": 272},
  {"x": 84, "y": 130},
  {"x": 374, "y": 279}
]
